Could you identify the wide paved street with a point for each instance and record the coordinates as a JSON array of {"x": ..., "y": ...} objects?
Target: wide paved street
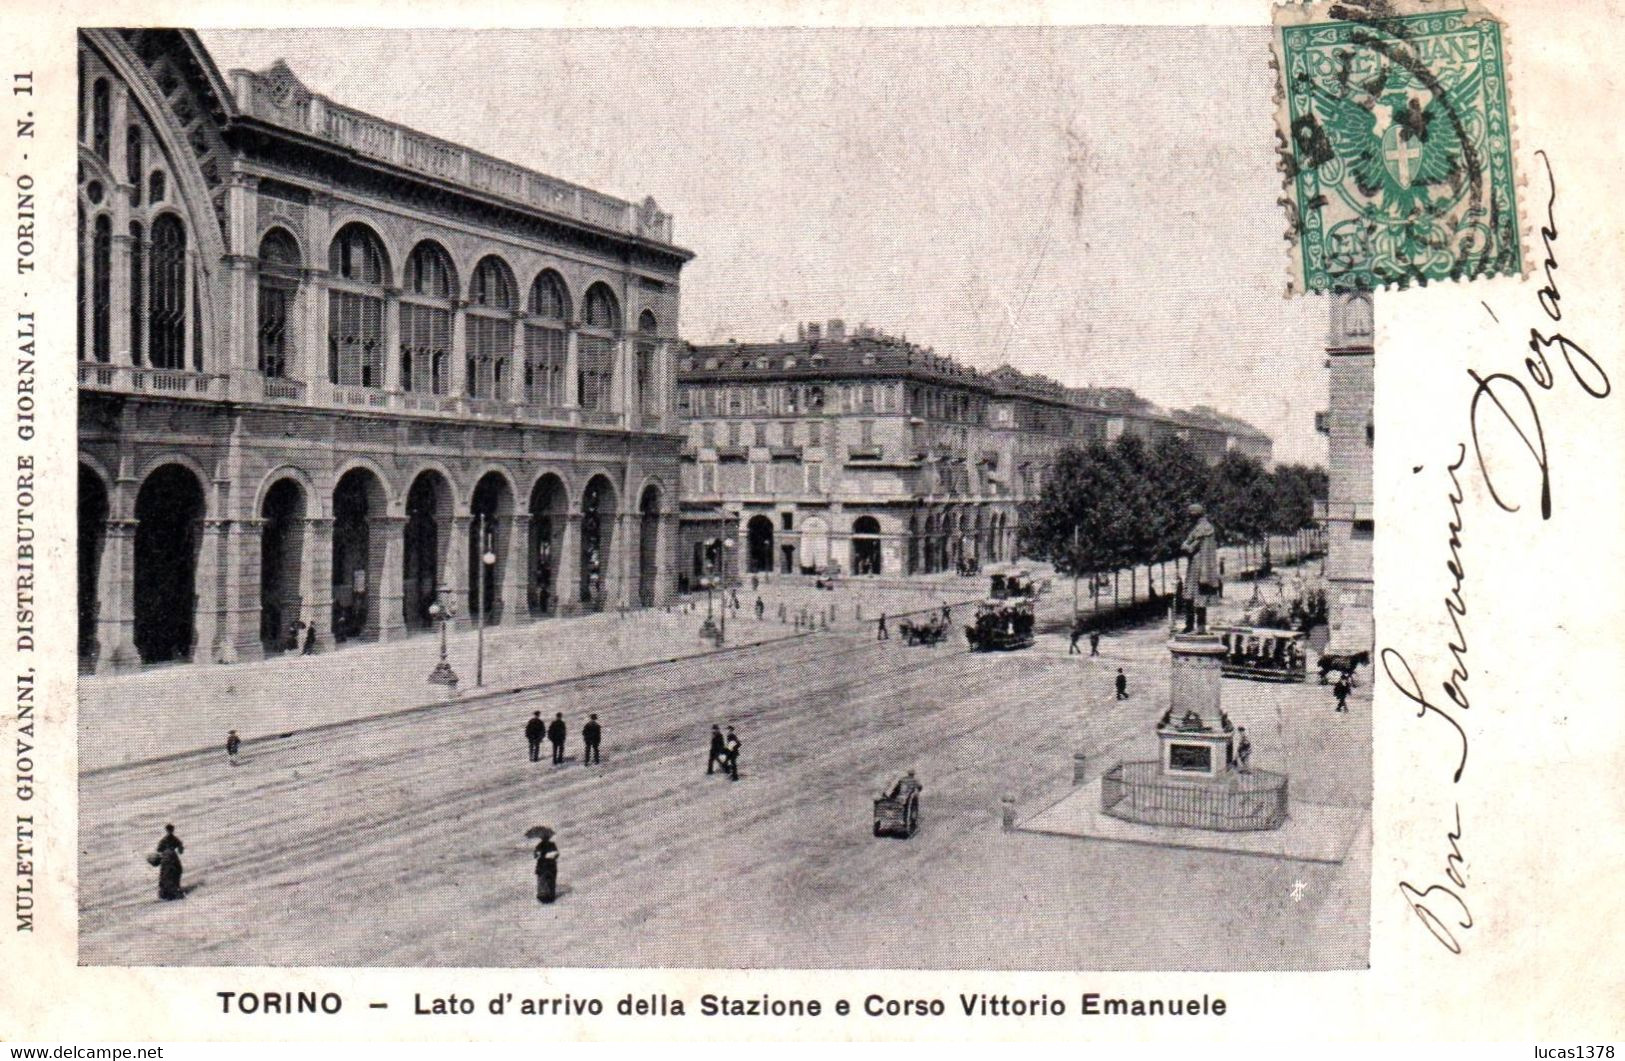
[{"x": 399, "y": 841}]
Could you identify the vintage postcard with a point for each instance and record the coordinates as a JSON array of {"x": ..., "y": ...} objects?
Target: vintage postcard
[{"x": 790, "y": 523}]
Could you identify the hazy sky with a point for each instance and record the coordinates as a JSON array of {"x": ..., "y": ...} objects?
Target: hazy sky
[{"x": 1097, "y": 204}]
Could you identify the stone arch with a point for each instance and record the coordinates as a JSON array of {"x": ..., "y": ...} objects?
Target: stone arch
[
  {"x": 549, "y": 508},
  {"x": 283, "y": 506},
  {"x": 759, "y": 544},
  {"x": 490, "y": 531},
  {"x": 651, "y": 544},
  {"x": 866, "y": 546},
  {"x": 357, "y": 224},
  {"x": 429, "y": 506},
  {"x": 599, "y": 508},
  {"x": 170, "y": 507},
  {"x": 433, "y": 249},
  {"x": 360, "y": 507},
  {"x": 191, "y": 464},
  {"x": 548, "y": 278}
]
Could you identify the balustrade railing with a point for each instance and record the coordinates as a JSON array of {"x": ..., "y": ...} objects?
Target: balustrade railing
[
  {"x": 405, "y": 147},
  {"x": 143, "y": 379}
]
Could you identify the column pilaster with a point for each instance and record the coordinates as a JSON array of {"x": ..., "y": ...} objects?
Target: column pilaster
[
  {"x": 392, "y": 340},
  {"x": 459, "y": 349},
  {"x": 115, "y": 614},
  {"x": 515, "y": 604},
  {"x": 567, "y": 564},
  {"x": 208, "y": 610},
  {"x": 386, "y": 538},
  {"x": 316, "y": 580}
]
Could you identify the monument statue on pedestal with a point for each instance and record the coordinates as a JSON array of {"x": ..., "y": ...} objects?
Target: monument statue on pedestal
[
  {"x": 1201, "y": 778},
  {"x": 1201, "y": 584}
]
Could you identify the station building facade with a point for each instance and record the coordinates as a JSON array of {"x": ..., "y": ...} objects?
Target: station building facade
[
  {"x": 334, "y": 371},
  {"x": 860, "y": 453}
]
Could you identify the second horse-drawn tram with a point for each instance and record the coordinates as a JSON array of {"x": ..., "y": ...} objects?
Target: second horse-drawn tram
[{"x": 1264, "y": 654}]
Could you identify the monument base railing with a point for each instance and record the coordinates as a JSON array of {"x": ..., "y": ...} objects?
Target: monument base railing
[{"x": 1233, "y": 802}]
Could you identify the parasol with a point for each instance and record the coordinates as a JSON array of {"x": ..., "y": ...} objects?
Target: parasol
[{"x": 538, "y": 832}]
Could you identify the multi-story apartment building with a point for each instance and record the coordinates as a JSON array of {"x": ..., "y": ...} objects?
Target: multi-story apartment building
[
  {"x": 1347, "y": 512},
  {"x": 332, "y": 369},
  {"x": 862, "y": 453}
]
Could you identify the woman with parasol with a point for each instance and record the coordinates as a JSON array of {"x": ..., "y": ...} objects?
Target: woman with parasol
[
  {"x": 167, "y": 858},
  {"x": 547, "y": 863}
]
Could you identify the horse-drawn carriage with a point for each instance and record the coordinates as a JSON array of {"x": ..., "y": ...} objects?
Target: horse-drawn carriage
[
  {"x": 1344, "y": 663},
  {"x": 931, "y": 631},
  {"x": 898, "y": 813},
  {"x": 1002, "y": 625},
  {"x": 1264, "y": 654}
]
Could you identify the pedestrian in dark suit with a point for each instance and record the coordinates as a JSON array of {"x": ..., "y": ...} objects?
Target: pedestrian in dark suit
[
  {"x": 1244, "y": 749},
  {"x": 535, "y": 730},
  {"x": 719, "y": 751},
  {"x": 881, "y": 633},
  {"x": 1122, "y": 684},
  {"x": 732, "y": 745},
  {"x": 1094, "y": 642},
  {"x": 555, "y": 733},
  {"x": 591, "y": 734},
  {"x": 1341, "y": 691},
  {"x": 1072, "y": 646},
  {"x": 233, "y": 745}
]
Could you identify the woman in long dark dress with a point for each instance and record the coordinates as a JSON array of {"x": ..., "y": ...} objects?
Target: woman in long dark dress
[
  {"x": 547, "y": 869},
  {"x": 169, "y": 865}
]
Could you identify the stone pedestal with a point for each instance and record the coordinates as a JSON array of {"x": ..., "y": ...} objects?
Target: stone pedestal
[{"x": 1195, "y": 735}]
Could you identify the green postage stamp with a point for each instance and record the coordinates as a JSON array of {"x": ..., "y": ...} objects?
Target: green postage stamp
[{"x": 1397, "y": 141}]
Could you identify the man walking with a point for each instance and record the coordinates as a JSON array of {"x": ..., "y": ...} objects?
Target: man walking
[
  {"x": 591, "y": 734},
  {"x": 555, "y": 733},
  {"x": 1341, "y": 691},
  {"x": 1244, "y": 749},
  {"x": 233, "y": 745},
  {"x": 760, "y": 609},
  {"x": 1077, "y": 632},
  {"x": 1094, "y": 642},
  {"x": 535, "y": 730},
  {"x": 732, "y": 746},
  {"x": 718, "y": 751},
  {"x": 1122, "y": 684},
  {"x": 881, "y": 633}
]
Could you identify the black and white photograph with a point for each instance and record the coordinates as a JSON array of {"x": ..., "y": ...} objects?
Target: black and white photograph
[{"x": 1009, "y": 577}]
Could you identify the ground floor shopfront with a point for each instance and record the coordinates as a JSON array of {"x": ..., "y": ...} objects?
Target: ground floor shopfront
[
  {"x": 212, "y": 532},
  {"x": 864, "y": 538}
]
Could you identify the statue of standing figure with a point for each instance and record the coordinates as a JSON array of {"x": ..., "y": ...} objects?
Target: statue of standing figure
[{"x": 1202, "y": 583}]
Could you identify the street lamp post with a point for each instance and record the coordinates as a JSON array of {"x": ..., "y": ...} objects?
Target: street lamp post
[
  {"x": 441, "y": 613},
  {"x": 715, "y": 627},
  {"x": 488, "y": 559}
]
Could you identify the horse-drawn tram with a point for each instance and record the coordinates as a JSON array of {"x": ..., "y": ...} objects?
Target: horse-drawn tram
[
  {"x": 1264, "y": 654},
  {"x": 1002, "y": 625}
]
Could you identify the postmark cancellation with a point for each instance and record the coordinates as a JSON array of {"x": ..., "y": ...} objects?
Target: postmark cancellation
[{"x": 1397, "y": 144}]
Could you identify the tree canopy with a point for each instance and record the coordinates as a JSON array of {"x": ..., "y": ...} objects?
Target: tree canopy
[{"x": 1107, "y": 507}]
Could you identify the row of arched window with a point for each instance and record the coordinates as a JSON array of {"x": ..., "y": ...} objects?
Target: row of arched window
[
  {"x": 357, "y": 277},
  {"x": 157, "y": 292}
]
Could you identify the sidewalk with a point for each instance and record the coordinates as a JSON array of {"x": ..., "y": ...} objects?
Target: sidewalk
[{"x": 171, "y": 710}]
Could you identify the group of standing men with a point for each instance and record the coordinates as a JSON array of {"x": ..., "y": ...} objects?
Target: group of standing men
[{"x": 592, "y": 734}]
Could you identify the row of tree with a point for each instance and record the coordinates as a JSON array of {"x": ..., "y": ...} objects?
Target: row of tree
[{"x": 1110, "y": 507}]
